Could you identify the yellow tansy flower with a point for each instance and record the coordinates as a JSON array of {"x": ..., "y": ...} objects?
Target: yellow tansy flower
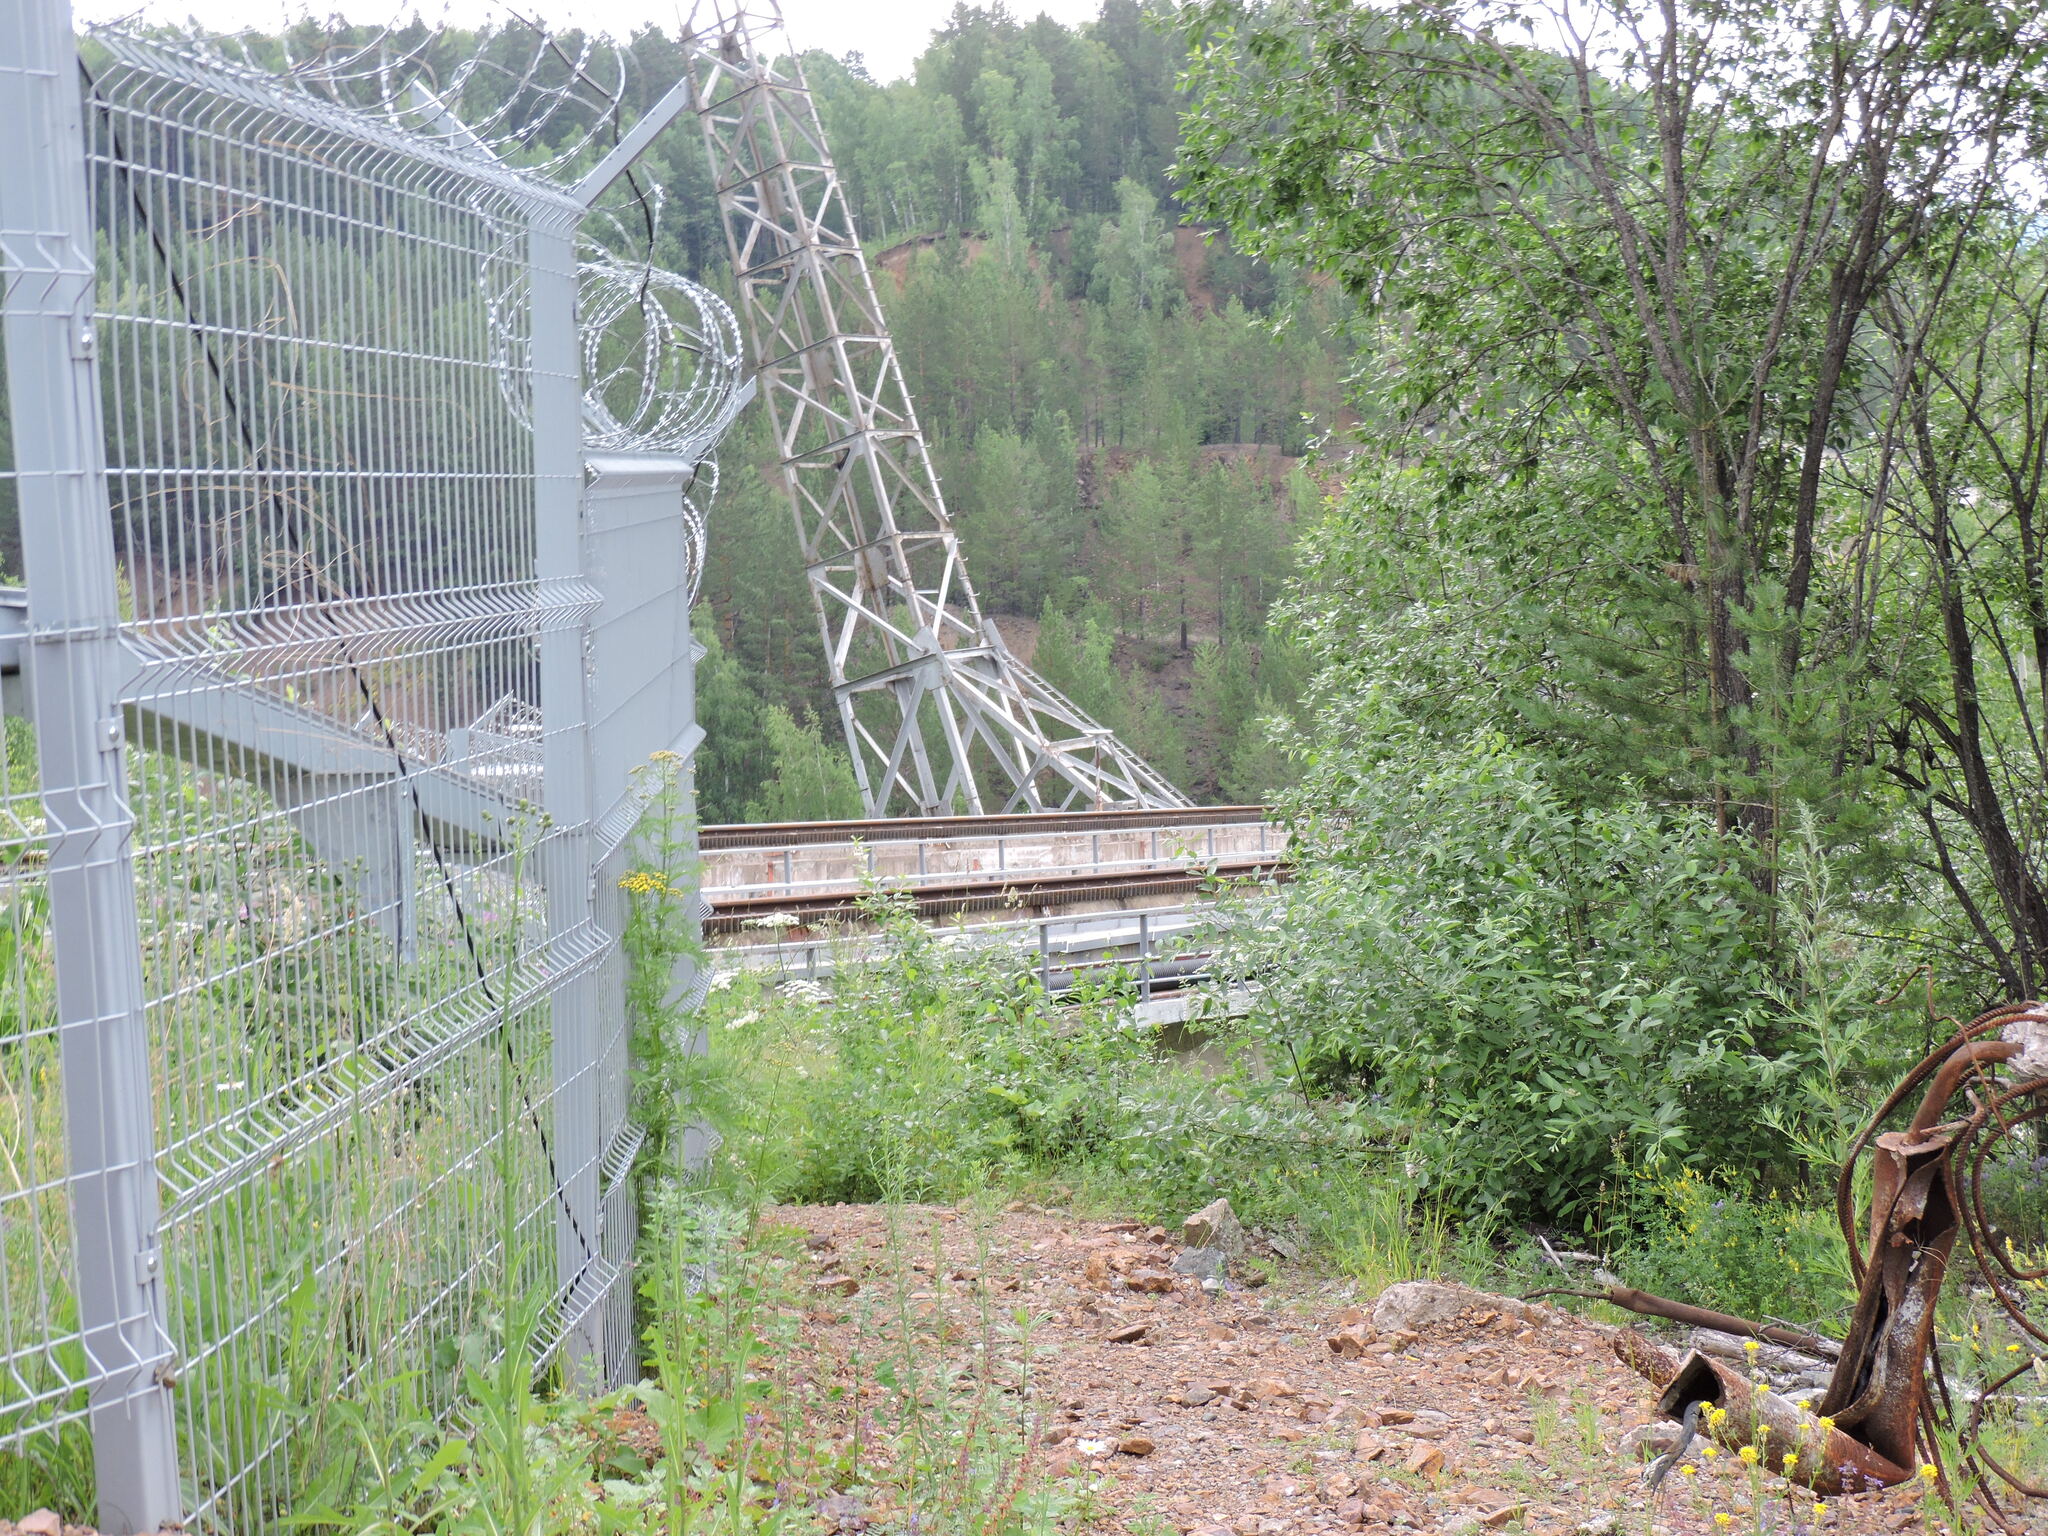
[
  {"x": 1791, "y": 1460},
  {"x": 1748, "y": 1454},
  {"x": 1927, "y": 1472}
]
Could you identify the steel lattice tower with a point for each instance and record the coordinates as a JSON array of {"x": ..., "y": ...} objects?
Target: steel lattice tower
[{"x": 940, "y": 716}]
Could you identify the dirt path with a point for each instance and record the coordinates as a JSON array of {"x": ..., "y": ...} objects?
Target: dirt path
[{"x": 1231, "y": 1415}]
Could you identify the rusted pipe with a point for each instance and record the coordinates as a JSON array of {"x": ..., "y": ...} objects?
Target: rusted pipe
[
  {"x": 1826, "y": 1460},
  {"x": 1645, "y": 1356},
  {"x": 1977, "y": 1053},
  {"x": 1645, "y": 1304}
]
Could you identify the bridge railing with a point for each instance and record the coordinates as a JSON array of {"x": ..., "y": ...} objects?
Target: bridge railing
[{"x": 1161, "y": 949}]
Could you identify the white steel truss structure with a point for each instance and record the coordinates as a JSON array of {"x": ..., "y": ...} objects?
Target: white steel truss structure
[{"x": 940, "y": 716}]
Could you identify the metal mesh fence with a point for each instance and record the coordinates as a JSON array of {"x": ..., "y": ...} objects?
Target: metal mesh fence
[{"x": 360, "y": 656}]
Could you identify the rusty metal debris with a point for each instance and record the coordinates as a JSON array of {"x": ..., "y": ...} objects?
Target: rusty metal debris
[
  {"x": 1824, "y": 1458},
  {"x": 1889, "y": 1409},
  {"x": 1645, "y": 1304}
]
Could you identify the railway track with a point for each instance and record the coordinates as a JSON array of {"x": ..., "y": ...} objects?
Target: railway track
[
  {"x": 807, "y": 873},
  {"x": 1025, "y": 893}
]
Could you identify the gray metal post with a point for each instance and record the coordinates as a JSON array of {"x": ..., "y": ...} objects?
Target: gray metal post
[
  {"x": 565, "y": 761},
  {"x": 1144, "y": 957},
  {"x": 74, "y": 668},
  {"x": 1044, "y": 961}
]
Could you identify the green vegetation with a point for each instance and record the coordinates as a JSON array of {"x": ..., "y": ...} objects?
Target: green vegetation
[{"x": 1675, "y": 648}]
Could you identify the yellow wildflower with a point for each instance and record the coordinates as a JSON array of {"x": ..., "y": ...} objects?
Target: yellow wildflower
[
  {"x": 1819, "y": 1509},
  {"x": 1748, "y": 1454},
  {"x": 1927, "y": 1472},
  {"x": 1791, "y": 1460},
  {"x": 1716, "y": 1415},
  {"x": 1722, "y": 1517},
  {"x": 1750, "y": 1346},
  {"x": 1827, "y": 1425},
  {"x": 1710, "y": 1450},
  {"x": 1687, "y": 1470}
]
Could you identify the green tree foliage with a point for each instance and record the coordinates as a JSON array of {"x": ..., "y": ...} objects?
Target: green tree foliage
[
  {"x": 1072, "y": 110},
  {"x": 1652, "y": 329},
  {"x": 812, "y": 779},
  {"x": 735, "y": 756},
  {"x": 761, "y": 761},
  {"x": 1074, "y": 656},
  {"x": 1694, "y": 509}
]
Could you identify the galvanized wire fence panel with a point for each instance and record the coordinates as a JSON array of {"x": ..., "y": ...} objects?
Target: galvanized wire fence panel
[{"x": 373, "y": 698}]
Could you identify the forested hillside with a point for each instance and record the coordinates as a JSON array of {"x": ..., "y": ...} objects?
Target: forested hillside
[{"x": 1117, "y": 416}]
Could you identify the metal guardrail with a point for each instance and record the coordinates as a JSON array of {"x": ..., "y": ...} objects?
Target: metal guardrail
[
  {"x": 1157, "y": 946},
  {"x": 722, "y": 836}
]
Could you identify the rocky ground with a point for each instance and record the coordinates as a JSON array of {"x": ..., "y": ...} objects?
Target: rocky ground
[{"x": 1288, "y": 1410}]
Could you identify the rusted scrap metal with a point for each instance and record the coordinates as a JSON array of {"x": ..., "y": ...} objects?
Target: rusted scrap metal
[
  {"x": 1887, "y": 1401},
  {"x": 1644, "y": 1304},
  {"x": 1879, "y": 1386},
  {"x": 1646, "y": 1357},
  {"x": 1825, "y": 1459}
]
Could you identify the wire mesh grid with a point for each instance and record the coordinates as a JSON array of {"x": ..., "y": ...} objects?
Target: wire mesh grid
[
  {"x": 323, "y": 511},
  {"x": 43, "y": 1362},
  {"x": 340, "y": 725}
]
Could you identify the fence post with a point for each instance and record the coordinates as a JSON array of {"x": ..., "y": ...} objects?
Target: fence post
[
  {"x": 74, "y": 664},
  {"x": 566, "y": 853}
]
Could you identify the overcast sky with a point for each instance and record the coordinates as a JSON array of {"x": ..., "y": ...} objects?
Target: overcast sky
[{"x": 889, "y": 34}]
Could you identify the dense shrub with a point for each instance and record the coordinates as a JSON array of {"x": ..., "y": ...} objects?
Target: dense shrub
[{"x": 1534, "y": 995}]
